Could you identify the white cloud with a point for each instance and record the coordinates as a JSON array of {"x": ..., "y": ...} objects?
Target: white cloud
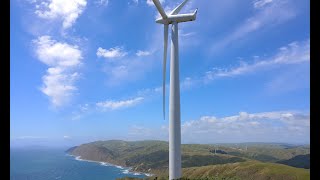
[
  {"x": 59, "y": 86},
  {"x": 275, "y": 13},
  {"x": 261, "y": 3},
  {"x": 54, "y": 53},
  {"x": 143, "y": 53},
  {"x": 115, "y": 52},
  {"x": 113, "y": 105},
  {"x": 62, "y": 59},
  {"x": 66, "y": 137},
  {"x": 135, "y": 1},
  {"x": 275, "y": 126},
  {"x": 293, "y": 53},
  {"x": 68, "y": 10}
]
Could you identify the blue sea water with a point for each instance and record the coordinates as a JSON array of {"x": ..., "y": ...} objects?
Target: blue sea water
[{"x": 55, "y": 164}]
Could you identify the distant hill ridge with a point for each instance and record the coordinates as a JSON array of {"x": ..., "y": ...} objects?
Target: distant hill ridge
[
  {"x": 300, "y": 161},
  {"x": 152, "y": 157}
]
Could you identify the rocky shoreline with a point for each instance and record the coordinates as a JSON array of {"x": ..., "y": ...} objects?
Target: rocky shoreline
[{"x": 126, "y": 170}]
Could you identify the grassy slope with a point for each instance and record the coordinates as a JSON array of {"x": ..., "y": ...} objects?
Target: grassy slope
[
  {"x": 248, "y": 170},
  {"x": 152, "y": 156},
  {"x": 265, "y": 152},
  {"x": 300, "y": 161}
]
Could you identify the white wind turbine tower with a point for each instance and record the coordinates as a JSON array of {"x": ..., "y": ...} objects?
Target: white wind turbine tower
[{"x": 174, "y": 101}]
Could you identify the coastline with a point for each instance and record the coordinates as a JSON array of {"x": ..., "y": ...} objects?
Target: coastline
[{"x": 126, "y": 170}]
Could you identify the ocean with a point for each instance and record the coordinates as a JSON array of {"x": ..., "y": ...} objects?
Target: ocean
[{"x": 55, "y": 164}]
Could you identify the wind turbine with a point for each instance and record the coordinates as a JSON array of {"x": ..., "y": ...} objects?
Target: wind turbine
[{"x": 174, "y": 100}]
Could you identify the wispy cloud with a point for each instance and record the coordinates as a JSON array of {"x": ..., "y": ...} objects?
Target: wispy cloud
[
  {"x": 143, "y": 53},
  {"x": 150, "y": 3},
  {"x": 115, "y": 52},
  {"x": 276, "y": 12},
  {"x": 66, "y": 137},
  {"x": 81, "y": 111},
  {"x": 294, "y": 78},
  {"x": 102, "y": 2},
  {"x": 261, "y": 3},
  {"x": 149, "y": 92},
  {"x": 84, "y": 110},
  {"x": 277, "y": 126},
  {"x": 125, "y": 67},
  {"x": 113, "y": 105},
  {"x": 293, "y": 53},
  {"x": 31, "y": 137},
  {"x": 187, "y": 83},
  {"x": 68, "y": 11},
  {"x": 187, "y": 34},
  {"x": 62, "y": 59},
  {"x": 136, "y": 63},
  {"x": 140, "y": 132}
]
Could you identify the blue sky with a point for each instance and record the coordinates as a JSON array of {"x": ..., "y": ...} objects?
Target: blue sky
[{"x": 85, "y": 70}]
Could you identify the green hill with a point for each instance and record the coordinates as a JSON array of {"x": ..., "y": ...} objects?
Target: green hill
[
  {"x": 265, "y": 152},
  {"x": 300, "y": 161},
  {"x": 249, "y": 170},
  {"x": 149, "y": 156},
  {"x": 253, "y": 161}
]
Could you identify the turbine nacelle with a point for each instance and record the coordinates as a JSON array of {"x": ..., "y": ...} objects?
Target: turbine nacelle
[{"x": 178, "y": 18}]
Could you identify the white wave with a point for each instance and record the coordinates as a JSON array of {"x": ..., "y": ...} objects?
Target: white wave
[
  {"x": 79, "y": 158},
  {"x": 120, "y": 167},
  {"x": 104, "y": 164},
  {"x": 125, "y": 171},
  {"x": 148, "y": 174}
]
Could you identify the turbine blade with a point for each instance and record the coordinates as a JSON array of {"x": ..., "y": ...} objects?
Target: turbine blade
[
  {"x": 160, "y": 9},
  {"x": 165, "y": 40},
  {"x": 178, "y": 8}
]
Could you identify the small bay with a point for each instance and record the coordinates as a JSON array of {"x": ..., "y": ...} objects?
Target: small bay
[{"x": 55, "y": 163}]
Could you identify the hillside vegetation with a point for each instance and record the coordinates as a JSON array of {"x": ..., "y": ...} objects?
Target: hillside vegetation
[
  {"x": 227, "y": 161},
  {"x": 265, "y": 152},
  {"x": 149, "y": 156},
  {"x": 249, "y": 170},
  {"x": 301, "y": 161}
]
